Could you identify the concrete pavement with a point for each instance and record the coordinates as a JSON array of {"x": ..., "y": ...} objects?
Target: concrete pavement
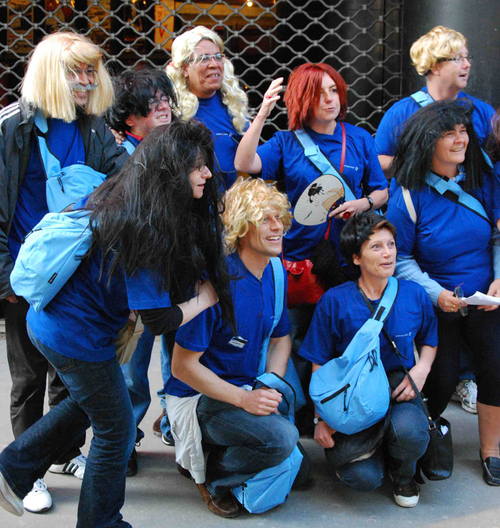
[{"x": 159, "y": 497}]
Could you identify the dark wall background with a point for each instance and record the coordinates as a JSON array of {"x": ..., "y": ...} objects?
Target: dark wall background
[{"x": 478, "y": 20}]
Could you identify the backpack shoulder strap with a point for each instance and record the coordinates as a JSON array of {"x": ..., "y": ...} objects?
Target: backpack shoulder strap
[
  {"x": 50, "y": 162},
  {"x": 320, "y": 161},
  {"x": 381, "y": 313},
  {"x": 279, "y": 303},
  {"x": 452, "y": 191},
  {"x": 422, "y": 98},
  {"x": 409, "y": 204}
]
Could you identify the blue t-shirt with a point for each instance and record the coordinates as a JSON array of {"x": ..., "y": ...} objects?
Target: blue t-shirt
[
  {"x": 449, "y": 242},
  {"x": 394, "y": 119},
  {"x": 283, "y": 159},
  {"x": 341, "y": 312},
  {"x": 215, "y": 116},
  {"x": 66, "y": 143},
  {"x": 83, "y": 319},
  {"x": 209, "y": 334}
]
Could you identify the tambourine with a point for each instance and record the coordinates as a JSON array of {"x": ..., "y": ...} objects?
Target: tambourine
[{"x": 318, "y": 199}]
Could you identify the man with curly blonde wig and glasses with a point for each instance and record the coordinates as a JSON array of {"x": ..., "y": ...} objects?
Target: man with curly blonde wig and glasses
[
  {"x": 67, "y": 83},
  {"x": 208, "y": 90},
  {"x": 442, "y": 57},
  {"x": 212, "y": 363}
]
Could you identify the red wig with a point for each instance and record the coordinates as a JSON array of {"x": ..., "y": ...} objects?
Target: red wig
[{"x": 303, "y": 93}]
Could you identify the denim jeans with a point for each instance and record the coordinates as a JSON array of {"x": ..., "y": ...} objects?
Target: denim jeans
[
  {"x": 167, "y": 347},
  {"x": 98, "y": 397},
  {"x": 404, "y": 444},
  {"x": 136, "y": 377},
  {"x": 242, "y": 444}
]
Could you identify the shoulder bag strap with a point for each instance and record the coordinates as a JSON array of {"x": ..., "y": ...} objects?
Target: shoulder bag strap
[
  {"x": 430, "y": 421},
  {"x": 452, "y": 191},
  {"x": 409, "y": 204},
  {"x": 422, "y": 98},
  {"x": 321, "y": 162},
  {"x": 381, "y": 313},
  {"x": 50, "y": 162},
  {"x": 279, "y": 303}
]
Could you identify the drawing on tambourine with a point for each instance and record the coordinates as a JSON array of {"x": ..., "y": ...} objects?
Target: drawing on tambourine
[{"x": 318, "y": 199}]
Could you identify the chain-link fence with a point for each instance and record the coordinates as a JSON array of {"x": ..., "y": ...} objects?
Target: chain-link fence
[{"x": 264, "y": 39}]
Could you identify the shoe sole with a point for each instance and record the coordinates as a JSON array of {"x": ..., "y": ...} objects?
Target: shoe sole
[
  {"x": 157, "y": 433},
  {"x": 43, "y": 510},
  {"x": 9, "y": 500},
  {"x": 405, "y": 505}
]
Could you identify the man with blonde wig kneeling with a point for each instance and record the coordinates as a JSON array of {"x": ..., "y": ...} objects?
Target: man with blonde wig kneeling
[{"x": 215, "y": 366}]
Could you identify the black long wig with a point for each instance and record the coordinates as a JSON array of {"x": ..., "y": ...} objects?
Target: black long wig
[
  {"x": 417, "y": 143},
  {"x": 147, "y": 217}
]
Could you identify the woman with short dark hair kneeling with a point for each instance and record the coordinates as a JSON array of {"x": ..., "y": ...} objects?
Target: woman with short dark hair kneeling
[{"x": 368, "y": 244}]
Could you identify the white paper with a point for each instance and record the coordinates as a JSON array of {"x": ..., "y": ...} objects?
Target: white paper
[{"x": 480, "y": 299}]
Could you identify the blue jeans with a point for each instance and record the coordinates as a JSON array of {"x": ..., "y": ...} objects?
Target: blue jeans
[
  {"x": 167, "y": 347},
  {"x": 136, "y": 377},
  {"x": 98, "y": 396},
  {"x": 405, "y": 442},
  {"x": 242, "y": 444}
]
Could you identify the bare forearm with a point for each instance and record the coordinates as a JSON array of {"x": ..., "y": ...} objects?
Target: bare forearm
[{"x": 278, "y": 354}]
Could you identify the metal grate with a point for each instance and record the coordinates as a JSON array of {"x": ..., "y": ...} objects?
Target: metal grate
[{"x": 264, "y": 39}]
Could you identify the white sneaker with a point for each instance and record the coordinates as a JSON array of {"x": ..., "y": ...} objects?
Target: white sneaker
[
  {"x": 8, "y": 499},
  {"x": 406, "y": 495},
  {"x": 466, "y": 394},
  {"x": 38, "y": 499},
  {"x": 76, "y": 467}
]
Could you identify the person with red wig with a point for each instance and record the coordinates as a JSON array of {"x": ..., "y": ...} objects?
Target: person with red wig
[{"x": 316, "y": 101}]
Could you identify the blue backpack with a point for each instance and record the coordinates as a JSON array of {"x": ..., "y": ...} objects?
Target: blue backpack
[
  {"x": 351, "y": 393},
  {"x": 64, "y": 186},
  {"x": 49, "y": 256},
  {"x": 270, "y": 488}
]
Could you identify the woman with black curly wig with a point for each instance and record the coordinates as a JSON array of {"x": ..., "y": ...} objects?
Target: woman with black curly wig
[
  {"x": 157, "y": 249},
  {"x": 444, "y": 215}
]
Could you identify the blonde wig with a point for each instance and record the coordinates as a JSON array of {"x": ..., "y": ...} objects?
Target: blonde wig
[
  {"x": 233, "y": 97},
  {"x": 439, "y": 43},
  {"x": 46, "y": 86},
  {"x": 245, "y": 203}
]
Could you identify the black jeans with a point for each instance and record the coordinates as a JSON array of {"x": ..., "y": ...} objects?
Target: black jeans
[
  {"x": 480, "y": 331},
  {"x": 29, "y": 371}
]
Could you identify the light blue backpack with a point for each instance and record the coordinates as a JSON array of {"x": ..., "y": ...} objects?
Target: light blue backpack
[
  {"x": 351, "y": 393},
  {"x": 49, "y": 256},
  {"x": 64, "y": 186},
  {"x": 270, "y": 487}
]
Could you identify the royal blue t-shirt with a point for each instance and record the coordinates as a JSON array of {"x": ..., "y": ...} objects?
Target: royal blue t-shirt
[
  {"x": 209, "y": 334},
  {"x": 394, "y": 119},
  {"x": 66, "y": 143},
  {"x": 283, "y": 159},
  {"x": 215, "y": 116},
  {"x": 341, "y": 312},
  {"x": 449, "y": 242},
  {"x": 83, "y": 319}
]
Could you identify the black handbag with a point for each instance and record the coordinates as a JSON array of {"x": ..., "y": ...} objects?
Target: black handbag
[{"x": 437, "y": 462}]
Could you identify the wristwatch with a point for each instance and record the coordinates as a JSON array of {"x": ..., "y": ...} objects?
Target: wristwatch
[
  {"x": 317, "y": 420},
  {"x": 370, "y": 201}
]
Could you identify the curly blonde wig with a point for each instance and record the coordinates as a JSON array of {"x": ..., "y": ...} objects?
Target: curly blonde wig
[
  {"x": 439, "y": 43},
  {"x": 46, "y": 86},
  {"x": 246, "y": 202},
  {"x": 233, "y": 97}
]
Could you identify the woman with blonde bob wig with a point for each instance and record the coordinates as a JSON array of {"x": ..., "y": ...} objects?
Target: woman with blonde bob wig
[{"x": 208, "y": 90}]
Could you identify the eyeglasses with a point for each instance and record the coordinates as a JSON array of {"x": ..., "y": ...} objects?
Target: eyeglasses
[
  {"x": 155, "y": 102},
  {"x": 78, "y": 72},
  {"x": 459, "y": 294},
  {"x": 205, "y": 59},
  {"x": 458, "y": 59}
]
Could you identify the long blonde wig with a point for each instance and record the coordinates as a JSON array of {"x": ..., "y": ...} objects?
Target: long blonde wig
[
  {"x": 246, "y": 202},
  {"x": 233, "y": 97},
  {"x": 46, "y": 86},
  {"x": 440, "y": 43}
]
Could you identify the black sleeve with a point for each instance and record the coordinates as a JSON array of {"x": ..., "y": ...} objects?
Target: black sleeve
[{"x": 162, "y": 320}]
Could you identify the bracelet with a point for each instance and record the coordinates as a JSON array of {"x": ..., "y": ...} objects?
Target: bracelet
[{"x": 370, "y": 201}]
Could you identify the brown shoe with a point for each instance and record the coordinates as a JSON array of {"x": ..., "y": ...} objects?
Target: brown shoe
[
  {"x": 226, "y": 507},
  {"x": 156, "y": 425}
]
